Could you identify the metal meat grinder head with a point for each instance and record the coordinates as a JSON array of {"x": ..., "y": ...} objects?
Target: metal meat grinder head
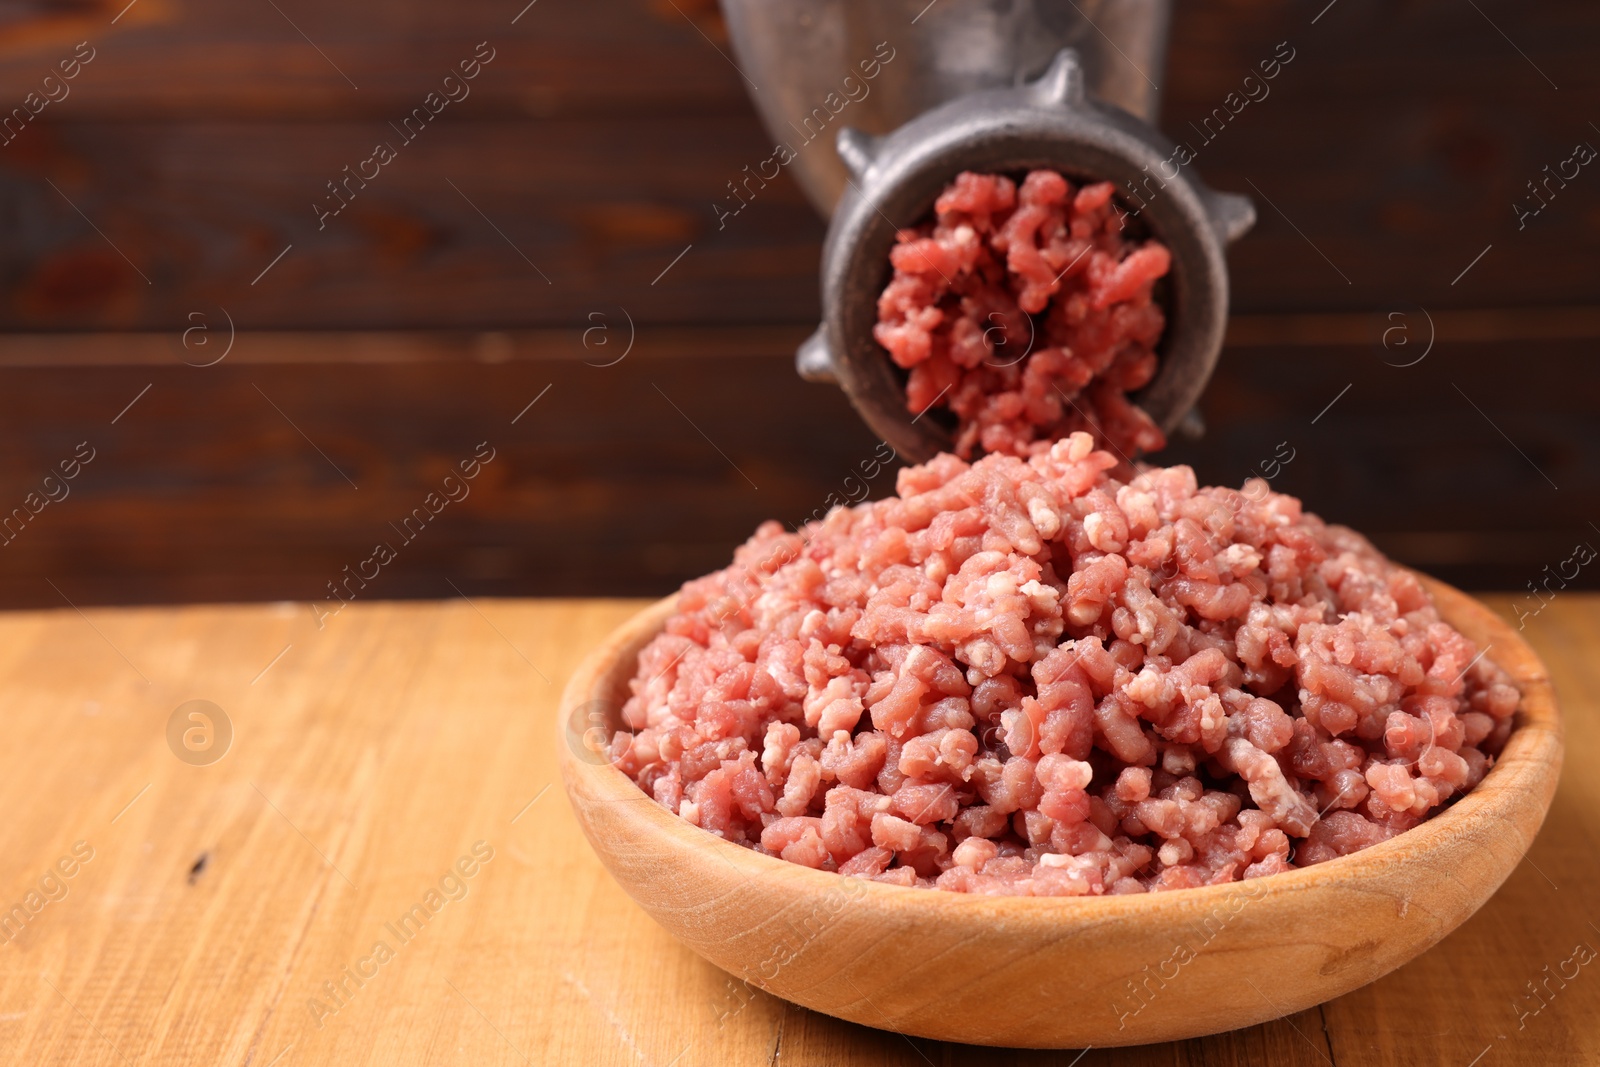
[{"x": 1051, "y": 122}]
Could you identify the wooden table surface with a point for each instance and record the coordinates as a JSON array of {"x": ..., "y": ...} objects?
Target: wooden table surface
[{"x": 382, "y": 868}]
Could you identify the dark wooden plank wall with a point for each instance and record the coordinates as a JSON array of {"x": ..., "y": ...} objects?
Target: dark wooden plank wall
[{"x": 379, "y": 350}]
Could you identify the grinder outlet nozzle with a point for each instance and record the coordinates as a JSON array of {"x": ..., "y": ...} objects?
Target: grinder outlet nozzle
[{"x": 1051, "y": 123}]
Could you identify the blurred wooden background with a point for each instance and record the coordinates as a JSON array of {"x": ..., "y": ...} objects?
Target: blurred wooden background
[{"x": 458, "y": 285}]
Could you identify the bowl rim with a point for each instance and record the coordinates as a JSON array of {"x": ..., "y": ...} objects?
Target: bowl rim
[{"x": 1524, "y": 773}]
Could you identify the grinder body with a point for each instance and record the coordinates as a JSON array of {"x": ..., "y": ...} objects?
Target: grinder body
[{"x": 871, "y": 186}]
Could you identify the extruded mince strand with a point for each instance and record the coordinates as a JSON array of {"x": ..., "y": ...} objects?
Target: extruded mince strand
[
  {"x": 1027, "y": 311},
  {"x": 1029, "y": 676}
]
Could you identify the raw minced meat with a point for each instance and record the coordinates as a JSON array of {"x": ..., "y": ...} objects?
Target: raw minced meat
[
  {"x": 1035, "y": 676},
  {"x": 1027, "y": 311}
]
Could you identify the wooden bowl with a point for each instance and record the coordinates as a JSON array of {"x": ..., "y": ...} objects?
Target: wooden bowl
[{"x": 1063, "y": 972}]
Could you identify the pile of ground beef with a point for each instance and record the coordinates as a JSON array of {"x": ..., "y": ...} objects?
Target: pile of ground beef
[
  {"x": 1031, "y": 677},
  {"x": 1028, "y": 313}
]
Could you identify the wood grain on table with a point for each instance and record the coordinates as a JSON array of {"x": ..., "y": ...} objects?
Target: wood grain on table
[{"x": 382, "y": 869}]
